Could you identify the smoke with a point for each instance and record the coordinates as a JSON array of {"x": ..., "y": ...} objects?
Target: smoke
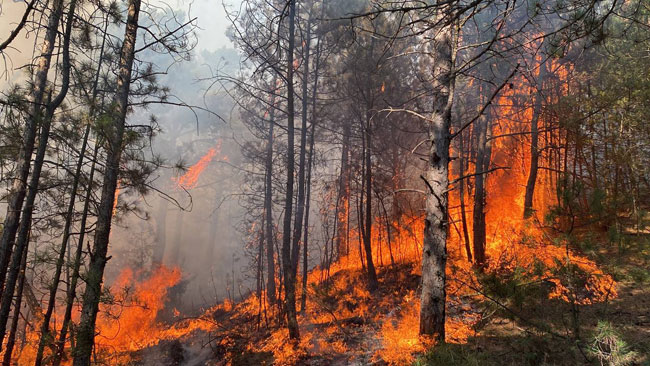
[{"x": 192, "y": 214}]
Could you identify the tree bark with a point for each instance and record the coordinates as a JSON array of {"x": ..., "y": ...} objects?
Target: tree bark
[
  {"x": 367, "y": 233},
  {"x": 343, "y": 199},
  {"x": 300, "y": 204},
  {"x": 22, "y": 240},
  {"x": 287, "y": 252},
  {"x": 268, "y": 204},
  {"x": 479, "y": 193},
  {"x": 534, "y": 138},
  {"x": 436, "y": 177},
  {"x": 98, "y": 259},
  {"x": 305, "y": 254},
  {"x": 45, "y": 331},
  {"x": 11, "y": 340},
  {"x": 19, "y": 184},
  {"x": 463, "y": 214},
  {"x": 74, "y": 278}
]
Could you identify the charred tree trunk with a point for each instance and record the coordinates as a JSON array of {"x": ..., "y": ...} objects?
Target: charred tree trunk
[
  {"x": 268, "y": 205},
  {"x": 479, "y": 194},
  {"x": 367, "y": 233},
  {"x": 343, "y": 199},
  {"x": 115, "y": 136},
  {"x": 305, "y": 254},
  {"x": 19, "y": 184},
  {"x": 287, "y": 252},
  {"x": 300, "y": 204},
  {"x": 436, "y": 177},
  {"x": 310, "y": 164},
  {"x": 463, "y": 214},
  {"x": 534, "y": 138}
]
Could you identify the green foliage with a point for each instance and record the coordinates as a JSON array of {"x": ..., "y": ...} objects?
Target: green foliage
[
  {"x": 514, "y": 287},
  {"x": 609, "y": 348},
  {"x": 453, "y": 355}
]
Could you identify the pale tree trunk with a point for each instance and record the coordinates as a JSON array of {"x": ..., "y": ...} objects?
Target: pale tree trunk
[
  {"x": 45, "y": 325},
  {"x": 534, "y": 138},
  {"x": 287, "y": 257},
  {"x": 19, "y": 185},
  {"x": 436, "y": 177},
  {"x": 115, "y": 135}
]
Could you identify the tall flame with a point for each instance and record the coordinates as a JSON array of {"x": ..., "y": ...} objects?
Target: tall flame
[{"x": 191, "y": 177}]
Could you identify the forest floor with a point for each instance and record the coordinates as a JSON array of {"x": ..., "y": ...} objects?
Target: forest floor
[
  {"x": 542, "y": 331},
  {"x": 346, "y": 325}
]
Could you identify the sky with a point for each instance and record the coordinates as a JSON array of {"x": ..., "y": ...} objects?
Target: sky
[
  {"x": 212, "y": 20},
  {"x": 213, "y": 23},
  {"x": 210, "y": 14}
]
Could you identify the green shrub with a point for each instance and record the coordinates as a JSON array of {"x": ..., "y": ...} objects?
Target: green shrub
[{"x": 609, "y": 348}]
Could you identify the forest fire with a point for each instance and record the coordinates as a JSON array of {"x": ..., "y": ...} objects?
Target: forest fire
[
  {"x": 130, "y": 321},
  {"x": 370, "y": 182}
]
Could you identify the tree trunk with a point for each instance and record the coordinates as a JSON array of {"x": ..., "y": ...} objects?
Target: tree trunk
[
  {"x": 72, "y": 290},
  {"x": 479, "y": 193},
  {"x": 343, "y": 199},
  {"x": 305, "y": 254},
  {"x": 463, "y": 214},
  {"x": 22, "y": 240},
  {"x": 19, "y": 185},
  {"x": 534, "y": 138},
  {"x": 268, "y": 204},
  {"x": 300, "y": 204},
  {"x": 115, "y": 135},
  {"x": 11, "y": 340},
  {"x": 436, "y": 177},
  {"x": 367, "y": 233},
  {"x": 45, "y": 325},
  {"x": 287, "y": 252}
]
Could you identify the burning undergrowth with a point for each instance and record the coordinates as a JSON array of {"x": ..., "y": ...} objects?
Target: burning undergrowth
[{"x": 343, "y": 323}]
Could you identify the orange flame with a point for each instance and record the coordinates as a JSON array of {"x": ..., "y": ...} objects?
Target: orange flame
[{"x": 191, "y": 177}]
